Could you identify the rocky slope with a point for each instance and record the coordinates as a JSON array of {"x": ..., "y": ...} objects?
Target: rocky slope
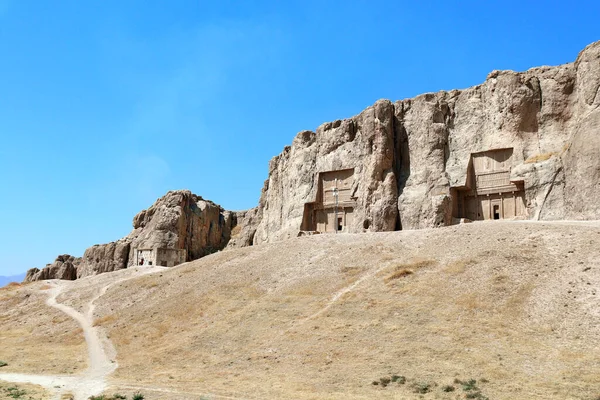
[
  {"x": 178, "y": 220},
  {"x": 408, "y": 154}
]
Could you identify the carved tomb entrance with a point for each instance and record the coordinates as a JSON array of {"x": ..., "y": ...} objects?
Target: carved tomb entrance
[
  {"x": 489, "y": 192},
  {"x": 334, "y": 207}
]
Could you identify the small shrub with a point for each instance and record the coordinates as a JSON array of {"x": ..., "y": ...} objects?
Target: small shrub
[
  {"x": 399, "y": 378},
  {"x": 119, "y": 397},
  {"x": 448, "y": 388},
  {"x": 15, "y": 393},
  {"x": 375, "y": 383},
  {"x": 470, "y": 385},
  {"x": 385, "y": 381},
  {"x": 138, "y": 396},
  {"x": 3, "y": 364},
  {"x": 483, "y": 380},
  {"x": 101, "y": 397},
  {"x": 476, "y": 395},
  {"x": 422, "y": 387}
]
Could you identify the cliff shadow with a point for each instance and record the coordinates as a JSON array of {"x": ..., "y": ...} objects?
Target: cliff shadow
[{"x": 401, "y": 161}]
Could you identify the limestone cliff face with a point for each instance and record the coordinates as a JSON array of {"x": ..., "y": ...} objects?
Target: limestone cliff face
[
  {"x": 365, "y": 143},
  {"x": 182, "y": 220},
  {"x": 102, "y": 258},
  {"x": 178, "y": 220},
  {"x": 408, "y": 155}
]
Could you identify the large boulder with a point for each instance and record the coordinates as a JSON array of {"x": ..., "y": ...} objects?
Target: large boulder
[{"x": 64, "y": 267}]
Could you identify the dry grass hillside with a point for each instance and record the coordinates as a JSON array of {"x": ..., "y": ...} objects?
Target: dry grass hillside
[
  {"x": 35, "y": 337},
  {"x": 513, "y": 306}
]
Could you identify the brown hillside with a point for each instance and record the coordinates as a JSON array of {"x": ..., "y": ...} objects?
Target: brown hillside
[
  {"x": 324, "y": 316},
  {"x": 512, "y": 305}
]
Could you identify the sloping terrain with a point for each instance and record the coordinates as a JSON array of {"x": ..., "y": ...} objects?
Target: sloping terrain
[
  {"x": 35, "y": 337},
  {"x": 512, "y": 305}
]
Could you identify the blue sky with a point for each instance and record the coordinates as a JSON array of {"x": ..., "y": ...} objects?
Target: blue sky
[{"x": 107, "y": 105}]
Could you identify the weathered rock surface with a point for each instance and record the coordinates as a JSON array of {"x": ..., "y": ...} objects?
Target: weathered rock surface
[
  {"x": 178, "y": 220},
  {"x": 102, "y": 258},
  {"x": 408, "y": 154},
  {"x": 244, "y": 227},
  {"x": 365, "y": 143},
  {"x": 182, "y": 220},
  {"x": 64, "y": 267}
]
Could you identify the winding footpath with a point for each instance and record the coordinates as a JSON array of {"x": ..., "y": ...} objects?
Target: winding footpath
[{"x": 100, "y": 366}]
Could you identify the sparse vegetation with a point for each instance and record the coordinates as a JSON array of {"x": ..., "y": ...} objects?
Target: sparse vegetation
[
  {"x": 448, "y": 388},
  {"x": 406, "y": 269},
  {"x": 422, "y": 387},
  {"x": 104, "y": 320},
  {"x": 15, "y": 393},
  {"x": 137, "y": 396},
  {"x": 3, "y": 363},
  {"x": 469, "y": 385},
  {"x": 473, "y": 391},
  {"x": 117, "y": 396}
]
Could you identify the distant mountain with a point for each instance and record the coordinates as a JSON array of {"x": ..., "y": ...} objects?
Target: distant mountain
[{"x": 4, "y": 280}]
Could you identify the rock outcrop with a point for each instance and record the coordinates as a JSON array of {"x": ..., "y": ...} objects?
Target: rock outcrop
[
  {"x": 244, "y": 227},
  {"x": 182, "y": 220},
  {"x": 408, "y": 156},
  {"x": 64, "y": 267},
  {"x": 102, "y": 258},
  {"x": 178, "y": 220}
]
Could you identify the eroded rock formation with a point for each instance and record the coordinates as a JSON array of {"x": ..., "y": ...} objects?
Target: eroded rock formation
[
  {"x": 408, "y": 156},
  {"x": 178, "y": 220},
  {"x": 64, "y": 267}
]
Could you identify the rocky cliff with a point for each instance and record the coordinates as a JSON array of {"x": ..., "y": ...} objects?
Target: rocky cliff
[
  {"x": 404, "y": 165},
  {"x": 178, "y": 220},
  {"x": 408, "y": 156}
]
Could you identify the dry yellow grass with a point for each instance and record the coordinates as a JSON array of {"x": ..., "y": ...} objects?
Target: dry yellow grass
[
  {"x": 35, "y": 337},
  {"x": 406, "y": 269},
  {"x": 314, "y": 318},
  {"x": 104, "y": 320}
]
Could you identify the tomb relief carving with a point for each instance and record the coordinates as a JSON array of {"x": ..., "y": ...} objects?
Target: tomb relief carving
[
  {"x": 489, "y": 193},
  {"x": 334, "y": 206}
]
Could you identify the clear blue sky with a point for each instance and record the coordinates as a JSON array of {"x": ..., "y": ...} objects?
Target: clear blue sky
[{"x": 107, "y": 105}]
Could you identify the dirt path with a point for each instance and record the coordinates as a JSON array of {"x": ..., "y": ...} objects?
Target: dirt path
[{"x": 100, "y": 365}]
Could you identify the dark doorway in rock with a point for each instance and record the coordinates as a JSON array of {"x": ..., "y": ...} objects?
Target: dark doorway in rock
[
  {"x": 496, "y": 212},
  {"x": 340, "y": 223}
]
